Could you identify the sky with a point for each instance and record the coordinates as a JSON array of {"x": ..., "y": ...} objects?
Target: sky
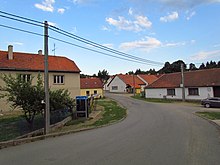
[{"x": 156, "y": 30}]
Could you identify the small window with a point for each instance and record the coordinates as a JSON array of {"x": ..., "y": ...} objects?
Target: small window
[
  {"x": 87, "y": 93},
  {"x": 95, "y": 92},
  {"x": 114, "y": 87},
  {"x": 58, "y": 79},
  {"x": 193, "y": 91},
  {"x": 171, "y": 92},
  {"x": 25, "y": 77}
]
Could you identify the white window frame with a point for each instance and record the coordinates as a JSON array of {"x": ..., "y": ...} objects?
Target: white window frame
[{"x": 58, "y": 79}]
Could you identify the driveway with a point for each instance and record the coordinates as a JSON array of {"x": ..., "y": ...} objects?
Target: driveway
[{"x": 152, "y": 134}]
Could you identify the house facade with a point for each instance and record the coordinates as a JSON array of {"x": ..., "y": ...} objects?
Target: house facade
[
  {"x": 198, "y": 85},
  {"x": 125, "y": 84},
  {"x": 63, "y": 72},
  {"x": 91, "y": 86},
  {"x": 106, "y": 87}
]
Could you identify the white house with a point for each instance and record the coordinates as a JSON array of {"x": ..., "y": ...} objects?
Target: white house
[
  {"x": 125, "y": 84},
  {"x": 198, "y": 84},
  {"x": 106, "y": 87}
]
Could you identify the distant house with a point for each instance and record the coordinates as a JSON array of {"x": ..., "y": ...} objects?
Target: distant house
[
  {"x": 63, "y": 72},
  {"x": 147, "y": 79},
  {"x": 125, "y": 84},
  {"x": 106, "y": 87},
  {"x": 198, "y": 85},
  {"x": 91, "y": 86}
]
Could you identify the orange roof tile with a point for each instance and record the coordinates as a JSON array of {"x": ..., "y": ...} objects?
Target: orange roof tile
[
  {"x": 148, "y": 78},
  {"x": 131, "y": 80},
  {"x": 199, "y": 78},
  {"x": 88, "y": 83},
  {"x": 35, "y": 62}
]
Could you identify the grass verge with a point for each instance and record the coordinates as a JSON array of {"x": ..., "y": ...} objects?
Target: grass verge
[
  {"x": 210, "y": 115},
  {"x": 156, "y": 100},
  {"x": 107, "y": 111},
  {"x": 112, "y": 112}
]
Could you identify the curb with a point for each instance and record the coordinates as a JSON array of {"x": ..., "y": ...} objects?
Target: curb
[{"x": 209, "y": 120}]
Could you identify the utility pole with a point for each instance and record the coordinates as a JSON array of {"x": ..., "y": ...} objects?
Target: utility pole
[
  {"x": 134, "y": 84},
  {"x": 46, "y": 81},
  {"x": 54, "y": 49},
  {"x": 182, "y": 82}
]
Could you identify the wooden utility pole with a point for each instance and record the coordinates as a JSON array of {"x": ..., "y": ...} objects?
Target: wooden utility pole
[
  {"x": 46, "y": 81},
  {"x": 182, "y": 82}
]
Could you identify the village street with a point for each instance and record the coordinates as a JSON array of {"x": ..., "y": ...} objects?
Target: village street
[{"x": 152, "y": 133}]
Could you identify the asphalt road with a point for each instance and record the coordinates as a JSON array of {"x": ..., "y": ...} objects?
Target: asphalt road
[{"x": 152, "y": 134}]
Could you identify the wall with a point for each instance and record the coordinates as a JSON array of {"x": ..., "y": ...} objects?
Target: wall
[
  {"x": 119, "y": 83},
  {"x": 71, "y": 82},
  {"x": 204, "y": 92},
  {"x": 91, "y": 91}
]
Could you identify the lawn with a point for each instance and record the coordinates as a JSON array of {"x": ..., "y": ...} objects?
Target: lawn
[{"x": 210, "y": 115}]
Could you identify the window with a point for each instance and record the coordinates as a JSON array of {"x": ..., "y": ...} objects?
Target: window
[
  {"x": 95, "y": 92},
  {"x": 193, "y": 91},
  {"x": 25, "y": 77},
  {"x": 58, "y": 79},
  {"x": 87, "y": 93},
  {"x": 114, "y": 87},
  {"x": 171, "y": 92}
]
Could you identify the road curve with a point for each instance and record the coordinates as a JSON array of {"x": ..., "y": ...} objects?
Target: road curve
[{"x": 151, "y": 134}]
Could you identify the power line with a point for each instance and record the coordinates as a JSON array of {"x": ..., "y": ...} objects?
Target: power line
[
  {"x": 15, "y": 19},
  {"x": 21, "y": 30},
  {"x": 60, "y": 31},
  {"x": 17, "y": 16},
  {"x": 26, "y": 31},
  {"x": 125, "y": 56}
]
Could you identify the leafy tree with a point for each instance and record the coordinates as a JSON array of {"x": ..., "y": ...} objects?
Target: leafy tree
[
  {"x": 28, "y": 97},
  {"x": 192, "y": 66},
  {"x": 202, "y": 66},
  {"x": 103, "y": 75},
  {"x": 174, "y": 67}
]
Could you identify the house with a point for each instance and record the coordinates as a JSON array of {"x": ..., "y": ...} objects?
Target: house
[
  {"x": 63, "y": 72},
  {"x": 198, "y": 84},
  {"x": 125, "y": 84},
  {"x": 106, "y": 87},
  {"x": 91, "y": 86},
  {"x": 147, "y": 79}
]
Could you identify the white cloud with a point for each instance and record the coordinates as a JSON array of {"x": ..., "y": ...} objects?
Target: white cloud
[
  {"x": 145, "y": 45},
  {"x": 52, "y": 24},
  {"x": 174, "y": 44},
  {"x": 105, "y": 28},
  {"x": 190, "y": 15},
  {"x": 170, "y": 17},
  {"x": 139, "y": 24},
  {"x": 46, "y": 5},
  {"x": 15, "y": 43},
  {"x": 108, "y": 45},
  {"x": 130, "y": 11},
  {"x": 205, "y": 55},
  {"x": 61, "y": 10}
]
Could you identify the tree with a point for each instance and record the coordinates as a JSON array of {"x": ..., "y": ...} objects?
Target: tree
[
  {"x": 171, "y": 68},
  {"x": 103, "y": 75},
  {"x": 192, "y": 66},
  {"x": 202, "y": 66},
  {"x": 28, "y": 98}
]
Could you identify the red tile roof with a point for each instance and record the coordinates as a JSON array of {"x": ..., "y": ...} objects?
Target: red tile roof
[
  {"x": 200, "y": 78},
  {"x": 131, "y": 80},
  {"x": 148, "y": 78},
  {"x": 35, "y": 62},
  {"x": 90, "y": 83}
]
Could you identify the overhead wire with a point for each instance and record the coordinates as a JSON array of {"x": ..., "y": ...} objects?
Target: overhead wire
[{"x": 123, "y": 56}]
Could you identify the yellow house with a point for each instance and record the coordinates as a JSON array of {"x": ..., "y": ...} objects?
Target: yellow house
[
  {"x": 91, "y": 86},
  {"x": 63, "y": 72}
]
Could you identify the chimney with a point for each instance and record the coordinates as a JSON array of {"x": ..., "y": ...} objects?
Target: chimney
[
  {"x": 10, "y": 52},
  {"x": 40, "y": 52}
]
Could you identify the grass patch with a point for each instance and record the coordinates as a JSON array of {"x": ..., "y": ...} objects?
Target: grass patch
[
  {"x": 112, "y": 112},
  {"x": 210, "y": 115},
  {"x": 156, "y": 100}
]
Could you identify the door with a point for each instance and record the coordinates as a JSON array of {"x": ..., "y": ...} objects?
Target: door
[{"x": 216, "y": 91}]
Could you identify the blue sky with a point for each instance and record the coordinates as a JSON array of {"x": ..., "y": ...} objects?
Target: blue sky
[{"x": 157, "y": 30}]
